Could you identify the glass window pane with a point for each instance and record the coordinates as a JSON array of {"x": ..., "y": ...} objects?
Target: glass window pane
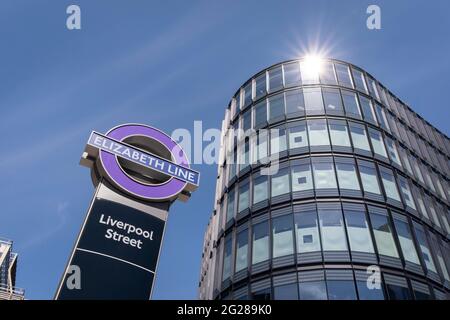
[
  {"x": 276, "y": 106},
  {"x": 365, "y": 293},
  {"x": 327, "y": 75},
  {"x": 369, "y": 179},
  {"x": 417, "y": 170},
  {"x": 341, "y": 290},
  {"x": 392, "y": 150},
  {"x": 286, "y": 292},
  {"x": 247, "y": 120},
  {"x": 421, "y": 203},
  {"x": 244, "y": 154},
  {"x": 398, "y": 292},
  {"x": 241, "y": 250},
  {"x": 390, "y": 187},
  {"x": 360, "y": 81},
  {"x": 343, "y": 75},
  {"x": 318, "y": 133},
  {"x": 314, "y": 290},
  {"x": 260, "y": 247},
  {"x": 366, "y": 106},
  {"x": 235, "y": 105},
  {"x": 275, "y": 79},
  {"x": 260, "y": 87},
  {"x": 301, "y": 177},
  {"x": 383, "y": 235},
  {"x": 230, "y": 205},
  {"x": 295, "y": 102},
  {"x": 382, "y": 117},
  {"x": 248, "y": 94},
  {"x": 324, "y": 176},
  {"x": 307, "y": 231},
  {"x": 373, "y": 89},
  {"x": 260, "y": 114},
  {"x": 313, "y": 100},
  {"x": 351, "y": 103},
  {"x": 333, "y": 102},
  {"x": 297, "y": 136},
  {"x": 339, "y": 134},
  {"x": 309, "y": 73},
  {"x": 347, "y": 177},
  {"x": 358, "y": 231},
  {"x": 291, "y": 74},
  {"x": 283, "y": 241},
  {"x": 332, "y": 230},
  {"x": 261, "y": 145},
  {"x": 406, "y": 241},
  {"x": 424, "y": 248},
  {"x": 260, "y": 189},
  {"x": 359, "y": 137},
  {"x": 243, "y": 197},
  {"x": 278, "y": 141},
  {"x": 406, "y": 191},
  {"x": 226, "y": 271},
  {"x": 377, "y": 142},
  {"x": 280, "y": 182},
  {"x": 264, "y": 294}
]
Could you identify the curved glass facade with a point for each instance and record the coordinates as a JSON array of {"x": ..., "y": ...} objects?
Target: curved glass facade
[{"x": 361, "y": 185}]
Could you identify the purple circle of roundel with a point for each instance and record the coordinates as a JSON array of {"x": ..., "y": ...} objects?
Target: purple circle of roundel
[{"x": 157, "y": 192}]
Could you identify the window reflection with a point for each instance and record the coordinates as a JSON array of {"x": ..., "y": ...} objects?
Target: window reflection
[
  {"x": 358, "y": 231},
  {"x": 332, "y": 230},
  {"x": 364, "y": 293},
  {"x": 351, "y": 103},
  {"x": 286, "y": 292},
  {"x": 390, "y": 187},
  {"x": 366, "y": 106},
  {"x": 241, "y": 250},
  {"x": 317, "y": 132},
  {"x": 343, "y": 75},
  {"x": 260, "y": 189},
  {"x": 313, "y": 290},
  {"x": 383, "y": 235},
  {"x": 324, "y": 177},
  {"x": 406, "y": 241},
  {"x": 347, "y": 177},
  {"x": 307, "y": 231},
  {"x": 301, "y": 177},
  {"x": 226, "y": 270},
  {"x": 377, "y": 142},
  {"x": 297, "y": 136},
  {"x": 333, "y": 102},
  {"x": 283, "y": 242},
  {"x": 260, "y": 86},
  {"x": 313, "y": 100},
  {"x": 295, "y": 103},
  {"x": 260, "y": 114},
  {"x": 359, "y": 137},
  {"x": 276, "y": 106},
  {"x": 275, "y": 79},
  {"x": 341, "y": 290},
  {"x": 360, "y": 82},
  {"x": 339, "y": 134},
  {"x": 280, "y": 182},
  {"x": 369, "y": 178},
  {"x": 260, "y": 246},
  {"x": 291, "y": 74}
]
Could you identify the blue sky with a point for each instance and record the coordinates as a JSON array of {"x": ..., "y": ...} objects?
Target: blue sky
[{"x": 167, "y": 64}]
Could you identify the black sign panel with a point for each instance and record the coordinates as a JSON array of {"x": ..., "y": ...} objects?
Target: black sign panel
[{"x": 116, "y": 255}]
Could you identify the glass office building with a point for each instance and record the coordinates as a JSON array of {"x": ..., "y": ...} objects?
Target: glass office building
[
  {"x": 358, "y": 206},
  {"x": 8, "y": 268}
]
